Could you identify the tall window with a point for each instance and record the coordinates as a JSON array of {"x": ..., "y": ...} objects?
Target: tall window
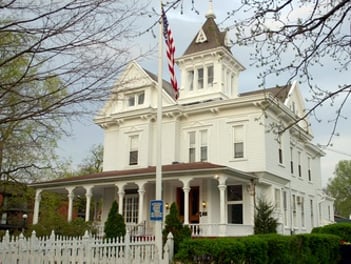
[
  {"x": 294, "y": 209},
  {"x": 285, "y": 206},
  {"x": 191, "y": 80},
  {"x": 131, "y": 207},
  {"x": 302, "y": 203},
  {"x": 312, "y": 215},
  {"x": 235, "y": 204},
  {"x": 200, "y": 78},
  {"x": 309, "y": 169},
  {"x": 210, "y": 76},
  {"x": 291, "y": 160},
  {"x": 198, "y": 146},
  {"x": 192, "y": 146},
  {"x": 203, "y": 147},
  {"x": 280, "y": 152},
  {"x": 277, "y": 198},
  {"x": 133, "y": 151},
  {"x": 238, "y": 134},
  {"x": 299, "y": 163}
]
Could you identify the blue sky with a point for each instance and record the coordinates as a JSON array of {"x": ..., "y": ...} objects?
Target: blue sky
[{"x": 184, "y": 27}]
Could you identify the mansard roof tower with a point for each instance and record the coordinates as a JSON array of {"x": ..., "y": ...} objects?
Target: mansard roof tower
[{"x": 208, "y": 69}]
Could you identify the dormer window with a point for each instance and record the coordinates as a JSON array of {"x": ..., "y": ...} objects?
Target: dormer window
[
  {"x": 200, "y": 78},
  {"x": 136, "y": 99}
]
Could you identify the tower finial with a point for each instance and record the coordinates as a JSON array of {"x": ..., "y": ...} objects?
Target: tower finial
[{"x": 210, "y": 12}]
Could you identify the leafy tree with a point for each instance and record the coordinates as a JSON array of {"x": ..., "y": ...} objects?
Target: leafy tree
[
  {"x": 114, "y": 225},
  {"x": 93, "y": 162},
  {"x": 55, "y": 56},
  {"x": 265, "y": 223},
  {"x": 175, "y": 226},
  {"x": 339, "y": 188}
]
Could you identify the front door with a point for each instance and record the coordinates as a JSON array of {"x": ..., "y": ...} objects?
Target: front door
[{"x": 194, "y": 203}]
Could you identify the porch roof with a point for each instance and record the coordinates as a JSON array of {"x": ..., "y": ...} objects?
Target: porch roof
[{"x": 178, "y": 169}]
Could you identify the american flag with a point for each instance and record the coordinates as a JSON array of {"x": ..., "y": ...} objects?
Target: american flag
[{"x": 167, "y": 33}]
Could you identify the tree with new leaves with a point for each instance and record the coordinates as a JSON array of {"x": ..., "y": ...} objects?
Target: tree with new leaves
[
  {"x": 265, "y": 223},
  {"x": 114, "y": 225},
  {"x": 55, "y": 56},
  {"x": 339, "y": 187}
]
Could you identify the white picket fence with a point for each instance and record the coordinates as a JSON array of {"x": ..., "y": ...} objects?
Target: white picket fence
[{"x": 82, "y": 250}]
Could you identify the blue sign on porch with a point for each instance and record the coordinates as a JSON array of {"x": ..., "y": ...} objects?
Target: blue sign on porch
[{"x": 156, "y": 210}]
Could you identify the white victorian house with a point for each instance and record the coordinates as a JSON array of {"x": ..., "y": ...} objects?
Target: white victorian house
[{"x": 221, "y": 149}]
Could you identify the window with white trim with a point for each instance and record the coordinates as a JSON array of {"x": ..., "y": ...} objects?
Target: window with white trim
[
  {"x": 302, "y": 204},
  {"x": 294, "y": 209},
  {"x": 291, "y": 161},
  {"x": 235, "y": 204},
  {"x": 312, "y": 215},
  {"x": 192, "y": 146},
  {"x": 238, "y": 141},
  {"x": 133, "y": 149},
  {"x": 309, "y": 169},
  {"x": 280, "y": 151},
  {"x": 131, "y": 207},
  {"x": 198, "y": 145},
  {"x": 285, "y": 207},
  {"x": 190, "y": 80},
  {"x": 203, "y": 147},
  {"x": 136, "y": 99},
  {"x": 210, "y": 75},
  {"x": 299, "y": 163},
  {"x": 200, "y": 78}
]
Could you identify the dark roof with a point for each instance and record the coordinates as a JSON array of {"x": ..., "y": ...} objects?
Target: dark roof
[
  {"x": 166, "y": 85},
  {"x": 215, "y": 38},
  {"x": 135, "y": 172},
  {"x": 279, "y": 92}
]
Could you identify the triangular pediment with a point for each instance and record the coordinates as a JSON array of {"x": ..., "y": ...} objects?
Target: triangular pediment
[{"x": 201, "y": 37}]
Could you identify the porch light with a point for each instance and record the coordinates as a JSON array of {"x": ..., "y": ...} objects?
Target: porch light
[
  {"x": 204, "y": 205},
  {"x": 167, "y": 206}
]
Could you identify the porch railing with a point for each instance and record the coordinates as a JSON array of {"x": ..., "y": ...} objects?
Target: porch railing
[
  {"x": 212, "y": 230},
  {"x": 133, "y": 229}
]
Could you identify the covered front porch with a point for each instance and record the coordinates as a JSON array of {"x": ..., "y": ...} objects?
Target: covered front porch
[{"x": 213, "y": 200}]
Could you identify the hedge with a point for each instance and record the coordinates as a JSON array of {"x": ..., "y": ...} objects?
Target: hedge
[
  {"x": 262, "y": 249},
  {"x": 343, "y": 230}
]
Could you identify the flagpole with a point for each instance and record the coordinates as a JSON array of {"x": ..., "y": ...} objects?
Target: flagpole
[{"x": 158, "y": 224}]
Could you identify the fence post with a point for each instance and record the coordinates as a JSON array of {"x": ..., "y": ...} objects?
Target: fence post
[
  {"x": 127, "y": 246},
  {"x": 86, "y": 247},
  {"x": 169, "y": 249}
]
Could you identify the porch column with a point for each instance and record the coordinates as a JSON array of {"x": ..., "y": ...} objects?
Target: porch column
[
  {"x": 88, "y": 195},
  {"x": 186, "y": 190},
  {"x": 141, "y": 192},
  {"x": 120, "y": 201},
  {"x": 70, "y": 202},
  {"x": 222, "y": 188},
  {"x": 36, "y": 206},
  {"x": 120, "y": 197}
]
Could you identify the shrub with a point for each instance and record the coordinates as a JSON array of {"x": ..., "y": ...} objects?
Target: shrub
[
  {"x": 343, "y": 230},
  {"x": 262, "y": 249},
  {"x": 114, "y": 225},
  {"x": 265, "y": 223},
  {"x": 175, "y": 226}
]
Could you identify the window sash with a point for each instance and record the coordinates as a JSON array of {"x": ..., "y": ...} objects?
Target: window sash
[
  {"x": 200, "y": 78},
  {"x": 210, "y": 75},
  {"x": 238, "y": 150}
]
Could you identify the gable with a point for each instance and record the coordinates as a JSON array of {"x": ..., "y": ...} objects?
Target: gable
[{"x": 136, "y": 89}]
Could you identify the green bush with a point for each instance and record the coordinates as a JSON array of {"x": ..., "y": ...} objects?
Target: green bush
[
  {"x": 343, "y": 230},
  {"x": 60, "y": 226},
  {"x": 175, "y": 226},
  {"x": 262, "y": 249},
  {"x": 114, "y": 225}
]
